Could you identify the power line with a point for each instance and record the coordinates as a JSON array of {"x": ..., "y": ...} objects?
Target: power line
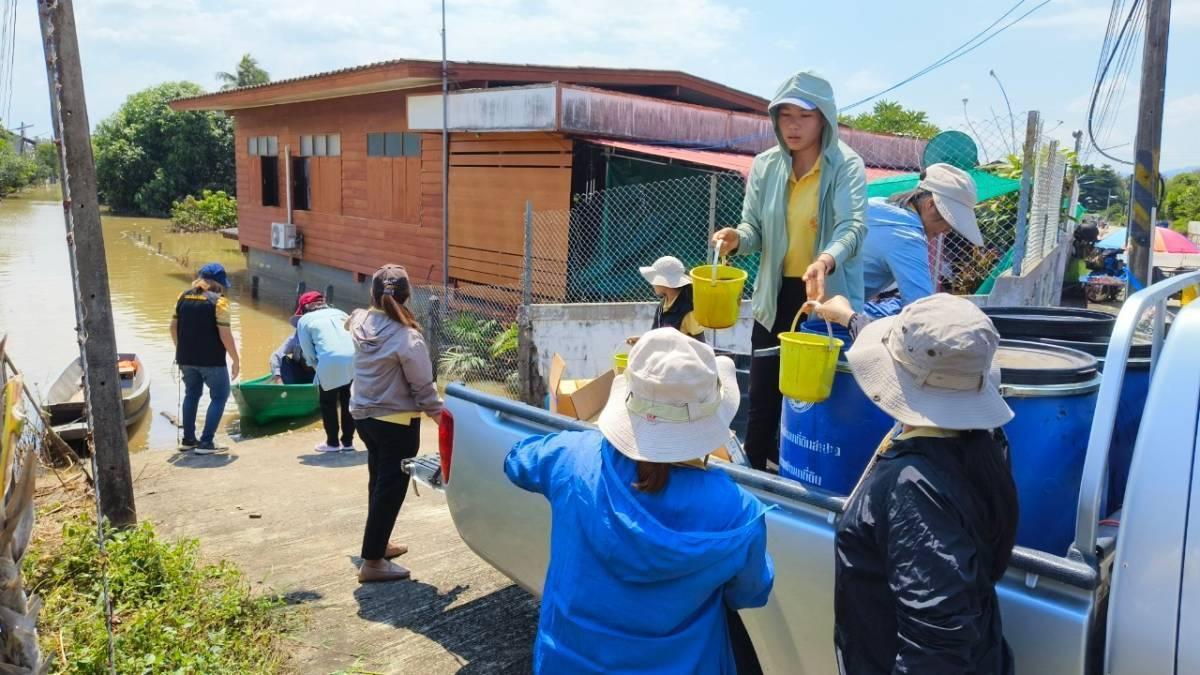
[
  {"x": 953, "y": 55},
  {"x": 1114, "y": 95},
  {"x": 1115, "y": 47},
  {"x": 943, "y": 58},
  {"x": 959, "y": 52},
  {"x": 12, "y": 60}
]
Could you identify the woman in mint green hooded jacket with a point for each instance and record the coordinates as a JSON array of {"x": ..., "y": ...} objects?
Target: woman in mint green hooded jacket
[{"x": 809, "y": 153}]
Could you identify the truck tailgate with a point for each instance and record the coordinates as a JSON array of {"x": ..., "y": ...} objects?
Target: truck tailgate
[{"x": 504, "y": 525}]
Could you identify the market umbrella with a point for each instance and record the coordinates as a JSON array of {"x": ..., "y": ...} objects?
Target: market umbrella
[{"x": 1165, "y": 241}]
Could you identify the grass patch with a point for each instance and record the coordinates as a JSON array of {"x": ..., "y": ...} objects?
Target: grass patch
[{"x": 172, "y": 613}]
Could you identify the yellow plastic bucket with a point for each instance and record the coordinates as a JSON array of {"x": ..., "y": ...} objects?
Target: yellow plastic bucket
[
  {"x": 807, "y": 363},
  {"x": 620, "y": 362},
  {"x": 717, "y": 294},
  {"x": 1188, "y": 295}
]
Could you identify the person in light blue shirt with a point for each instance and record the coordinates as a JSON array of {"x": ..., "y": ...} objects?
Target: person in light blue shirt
[
  {"x": 896, "y": 250},
  {"x": 328, "y": 348}
]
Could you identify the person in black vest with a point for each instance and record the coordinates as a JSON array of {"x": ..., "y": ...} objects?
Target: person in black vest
[
  {"x": 930, "y": 529},
  {"x": 671, "y": 282},
  {"x": 202, "y": 335}
]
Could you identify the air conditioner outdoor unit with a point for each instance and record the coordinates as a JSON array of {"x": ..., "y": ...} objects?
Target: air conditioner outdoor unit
[{"x": 283, "y": 236}]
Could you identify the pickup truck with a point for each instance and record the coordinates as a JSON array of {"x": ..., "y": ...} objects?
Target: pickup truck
[{"x": 1122, "y": 601}]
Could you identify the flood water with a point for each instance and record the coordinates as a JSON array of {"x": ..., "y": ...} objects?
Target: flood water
[{"x": 38, "y": 314}]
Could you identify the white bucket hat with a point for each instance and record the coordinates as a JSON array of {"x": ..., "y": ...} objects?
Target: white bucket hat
[
  {"x": 673, "y": 403},
  {"x": 933, "y": 365},
  {"x": 955, "y": 196},
  {"x": 666, "y": 271}
]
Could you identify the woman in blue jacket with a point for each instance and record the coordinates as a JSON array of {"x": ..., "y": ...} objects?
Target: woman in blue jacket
[{"x": 649, "y": 549}]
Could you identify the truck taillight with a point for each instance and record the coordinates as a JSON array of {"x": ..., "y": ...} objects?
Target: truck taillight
[{"x": 446, "y": 442}]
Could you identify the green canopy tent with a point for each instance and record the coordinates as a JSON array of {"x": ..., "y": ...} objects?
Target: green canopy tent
[
  {"x": 956, "y": 149},
  {"x": 989, "y": 185}
]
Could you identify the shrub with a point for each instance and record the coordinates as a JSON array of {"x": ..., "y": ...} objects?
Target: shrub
[
  {"x": 213, "y": 211},
  {"x": 171, "y": 613}
]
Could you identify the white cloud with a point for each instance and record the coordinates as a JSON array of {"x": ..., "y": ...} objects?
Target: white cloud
[{"x": 861, "y": 83}]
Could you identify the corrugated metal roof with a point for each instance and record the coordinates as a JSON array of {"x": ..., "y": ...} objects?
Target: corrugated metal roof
[
  {"x": 668, "y": 77},
  {"x": 718, "y": 160},
  {"x": 728, "y": 161}
]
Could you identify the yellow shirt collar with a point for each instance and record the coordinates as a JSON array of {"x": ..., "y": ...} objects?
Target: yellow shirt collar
[
  {"x": 813, "y": 171},
  {"x": 927, "y": 432}
]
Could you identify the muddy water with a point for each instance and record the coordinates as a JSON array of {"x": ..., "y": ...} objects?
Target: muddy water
[{"x": 38, "y": 314}]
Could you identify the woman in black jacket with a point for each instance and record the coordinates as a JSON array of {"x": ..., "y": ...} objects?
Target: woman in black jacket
[{"x": 930, "y": 530}]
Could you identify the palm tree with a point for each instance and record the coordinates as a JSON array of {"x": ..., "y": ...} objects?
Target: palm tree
[{"x": 248, "y": 73}]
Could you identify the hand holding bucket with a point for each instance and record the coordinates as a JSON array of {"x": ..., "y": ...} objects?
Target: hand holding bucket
[
  {"x": 807, "y": 363},
  {"x": 717, "y": 293}
]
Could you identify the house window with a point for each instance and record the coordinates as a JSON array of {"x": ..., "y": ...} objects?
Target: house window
[
  {"x": 321, "y": 145},
  {"x": 300, "y": 184},
  {"x": 264, "y": 146},
  {"x": 270, "y": 180},
  {"x": 393, "y": 144}
]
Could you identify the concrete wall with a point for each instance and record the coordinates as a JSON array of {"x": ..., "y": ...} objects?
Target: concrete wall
[
  {"x": 1040, "y": 287},
  {"x": 278, "y": 279},
  {"x": 588, "y": 335}
]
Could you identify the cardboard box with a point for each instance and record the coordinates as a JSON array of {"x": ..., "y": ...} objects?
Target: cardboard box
[{"x": 579, "y": 399}]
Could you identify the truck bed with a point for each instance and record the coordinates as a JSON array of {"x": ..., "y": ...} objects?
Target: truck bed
[{"x": 1053, "y": 607}]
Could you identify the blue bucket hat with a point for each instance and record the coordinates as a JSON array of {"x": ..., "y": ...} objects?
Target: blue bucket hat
[{"x": 215, "y": 272}]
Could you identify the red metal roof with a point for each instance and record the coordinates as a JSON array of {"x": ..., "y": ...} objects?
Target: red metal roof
[{"x": 729, "y": 161}]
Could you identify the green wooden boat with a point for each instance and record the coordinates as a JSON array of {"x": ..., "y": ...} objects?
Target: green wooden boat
[{"x": 262, "y": 401}]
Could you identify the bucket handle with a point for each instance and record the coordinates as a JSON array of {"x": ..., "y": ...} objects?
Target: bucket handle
[{"x": 828, "y": 327}]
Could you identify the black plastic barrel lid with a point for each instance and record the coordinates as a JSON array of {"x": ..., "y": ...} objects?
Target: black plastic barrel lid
[
  {"x": 1035, "y": 363},
  {"x": 1139, "y": 350},
  {"x": 1062, "y": 323}
]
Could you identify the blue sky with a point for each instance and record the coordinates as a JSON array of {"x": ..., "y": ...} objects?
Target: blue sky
[{"x": 1047, "y": 62}]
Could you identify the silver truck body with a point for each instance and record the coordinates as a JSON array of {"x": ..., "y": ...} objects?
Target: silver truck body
[{"x": 1056, "y": 609}]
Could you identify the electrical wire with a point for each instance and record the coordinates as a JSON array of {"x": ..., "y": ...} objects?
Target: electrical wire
[
  {"x": 957, "y": 53},
  {"x": 960, "y": 51},
  {"x": 12, "y": 61},
  {"x": 1115, "y": 94},
  {"x": 6, "y": 43},
  {"x": 1114, "y": 47}
]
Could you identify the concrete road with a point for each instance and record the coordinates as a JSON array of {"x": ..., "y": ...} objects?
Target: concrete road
[{"x": 293, "y": 521}]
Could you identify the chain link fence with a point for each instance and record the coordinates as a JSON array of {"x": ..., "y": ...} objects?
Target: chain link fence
[
  {"x": 472, "y": 334},
  {"x": 591, "y": 252}
]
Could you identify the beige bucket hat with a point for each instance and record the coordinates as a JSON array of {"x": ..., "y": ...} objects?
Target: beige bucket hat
[
  {"x": 933, "y": 365},
  {"x": 673, "y": 403},
  {"x": 955, "y": 195},
  {"x": 666, "y": 271}
]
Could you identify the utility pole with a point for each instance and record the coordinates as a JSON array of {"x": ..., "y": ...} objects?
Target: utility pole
[
  {"x": 21, "y": 129},
  {"x": 89, "y": 270},
  {"x": 445, "y": 159},
  {"x": 1073, "y": 203},
  {"x": 1144, "y": 198}
]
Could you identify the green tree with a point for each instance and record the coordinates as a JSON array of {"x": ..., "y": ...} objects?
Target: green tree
[
  {"x": 1096, "y": 184},
  {"x": 1182, "y": 203},
  {"x": 889, "y": 117},
  {"x": 148, "y": 156},
  {"x": 45, "y": 155},
  {"x": 212, "y": 211},
  {"x": 16, "y": 170},
  {"x": 246, "y": 74}
]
